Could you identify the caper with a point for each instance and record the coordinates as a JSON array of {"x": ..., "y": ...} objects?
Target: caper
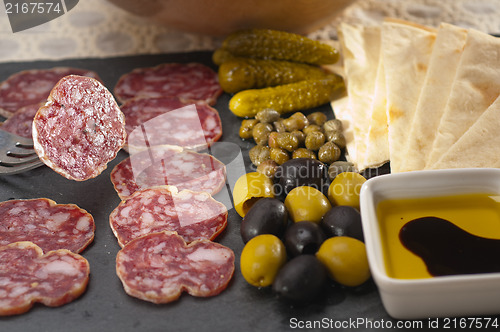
[
  {"x": 287, "y": 141},
  {"x": 314, "y": 140},
  {"x": 328, "y": 153},
  {"x": 268, "y": 168},
  {"x": 279, "y": 126},
  {"x": 267, "y": 115},
  {"x": 333, "y": 125},
  {"x": 336, "y": 137},
  {"x": 259, "y": 154},
  {"x": 311, "y": 128},
  {"x": 246, "y": 128},
  {"x": 279, "y": 155},
  {"x": 317, "y": 118},
  {"x": 303, "y": 153},
  {"x": 300, "y": 136},
  {"x": 272, "y": 141},
  {"x": 261, "y": 133},
  {"x": 338, "y": 167}
]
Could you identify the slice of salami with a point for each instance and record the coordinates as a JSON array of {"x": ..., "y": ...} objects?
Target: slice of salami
[
  {"x": 165, "y": 165},
  {"x": 49, "y": 225},
  {"x": 28, "y": 276},
  {"x": 158, "y": 267},
  {"x": 33, "y": 86},
  {"x": 189, "y": 81},
  {"x": 80, "y": 129},
  {"x": 21, "y": 121},
  {"x": 171, "y": 121},
  {"x": 193, "y": 215}
]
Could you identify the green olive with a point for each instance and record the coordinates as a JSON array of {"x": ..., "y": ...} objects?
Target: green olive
[
  {"x": 345, "y": 259},
  {"x": 328, "y": 153},
  {"x": 345, "y": 189},
  {"x": 246, "y": 128},
  {"x": 306, "y": 203},
  {"x": 261, "y": 259},
  {"x": 303, "y": 153},
  {"x": 259, "y": 154},
  {"x": 317, "y": 118},
  {"x": 268, "y": 168},
  {"x": 267, "y": 115},
  {"x": 249, "y": 188},
  {"x": 287, "y": 141},
  {"x": 314, "y": 140},
  {"x": 260, "y": 133}
]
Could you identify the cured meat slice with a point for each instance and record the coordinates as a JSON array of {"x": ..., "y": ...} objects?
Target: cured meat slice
[
  {"x": 190, "y": 81},
  {"x": 165, "y": 165},
  {"x": 21, "y": 121},
  {"x": 80, "y": 129},
  {"x": 171, "y": 121},
  {"x": 49, "y": 225},
  {"x": 158, "y": 267},
  {"x": 193, "y": 215},
  {"x": 28, "y": 276},
  {"x": 33, "y": 86}
]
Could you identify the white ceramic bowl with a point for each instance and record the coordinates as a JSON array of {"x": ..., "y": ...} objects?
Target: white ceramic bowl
[{"x": 444, "y": 296}]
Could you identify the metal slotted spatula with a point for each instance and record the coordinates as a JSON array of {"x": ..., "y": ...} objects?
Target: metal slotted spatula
[{"x": 16, "y": 154}]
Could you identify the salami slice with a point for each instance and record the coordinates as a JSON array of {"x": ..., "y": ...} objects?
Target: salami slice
[
  {"x": 21, "y": 121},
  {"x": 28, "y": 276},
  {"x": 189, "y": 81},
  {"x": 158, "y": 267},
  {"x": 80, "y": 129},
  {"x": 193, "y": 215},
  {"x": 49, "y": 225},
  {"x": 33, "y": 86},
  {"x": 165, "y": 165},
  {"x": 171, "y": 121}
]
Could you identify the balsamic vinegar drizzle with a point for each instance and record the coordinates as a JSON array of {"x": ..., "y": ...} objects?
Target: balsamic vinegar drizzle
[{"x": 449, "y": 250}]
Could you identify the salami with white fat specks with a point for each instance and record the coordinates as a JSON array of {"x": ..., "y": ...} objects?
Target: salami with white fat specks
[
  {"x": 193, "y": 215},
  {"x": 170, "y": 121},
  {"x": 165, "y": 165},
  {"x": 189, "y": 81},
  {"x": 49, "y": 225},
  {"x": 21, "y": 121},
  {"x": 158, "y": 267},
  {"x": 27, "y": 275},
  {"x": 80, "y": 129},
  {"x": 33, "y": 86}
]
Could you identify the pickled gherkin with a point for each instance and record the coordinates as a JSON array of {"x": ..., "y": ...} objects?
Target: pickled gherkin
[
  {"x": 288, "y": 97},
  {"x": 279, "y": 45},
  {"x": 244, "y": 73}
]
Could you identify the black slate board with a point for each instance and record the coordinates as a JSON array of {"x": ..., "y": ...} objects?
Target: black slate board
[{"x": 106, "y": 307}]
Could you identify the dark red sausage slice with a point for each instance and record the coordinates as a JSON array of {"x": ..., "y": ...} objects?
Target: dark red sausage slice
[
  {"x": 188, "y": 81},
  {"x": 159, "y": 267},
  {"x": 170, "y": 121},
  {"x": 21, "y": 121},
  {"x": 49, "y": 225},
  {"x": 33, "y": 86},
  {"x": 28, "y": 276},
  {"x": 169, "y": 166},
  {"x": 80, "y": 129},
  {"x": 193, "y": 215}
]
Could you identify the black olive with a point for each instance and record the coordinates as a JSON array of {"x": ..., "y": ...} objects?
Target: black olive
[
  {"x": 301, "y": 279},
  {"x": 301, "y": 172},
  {"x": 303, "y": 237},
  {"x": 343, "y": 221},
  {"x": 266, "y": 216}
]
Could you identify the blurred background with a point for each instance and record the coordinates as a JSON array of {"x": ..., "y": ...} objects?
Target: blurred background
[{"x": 107, "y": 28}]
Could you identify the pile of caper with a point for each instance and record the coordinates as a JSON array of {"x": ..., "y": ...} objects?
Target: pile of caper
[{"x": 298, "y": 136}]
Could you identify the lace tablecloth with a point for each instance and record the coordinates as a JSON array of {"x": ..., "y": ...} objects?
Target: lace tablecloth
[{"x": 96, "y": 28}]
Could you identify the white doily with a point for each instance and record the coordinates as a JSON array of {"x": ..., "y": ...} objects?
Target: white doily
[{"x": 96, "y": 28}]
